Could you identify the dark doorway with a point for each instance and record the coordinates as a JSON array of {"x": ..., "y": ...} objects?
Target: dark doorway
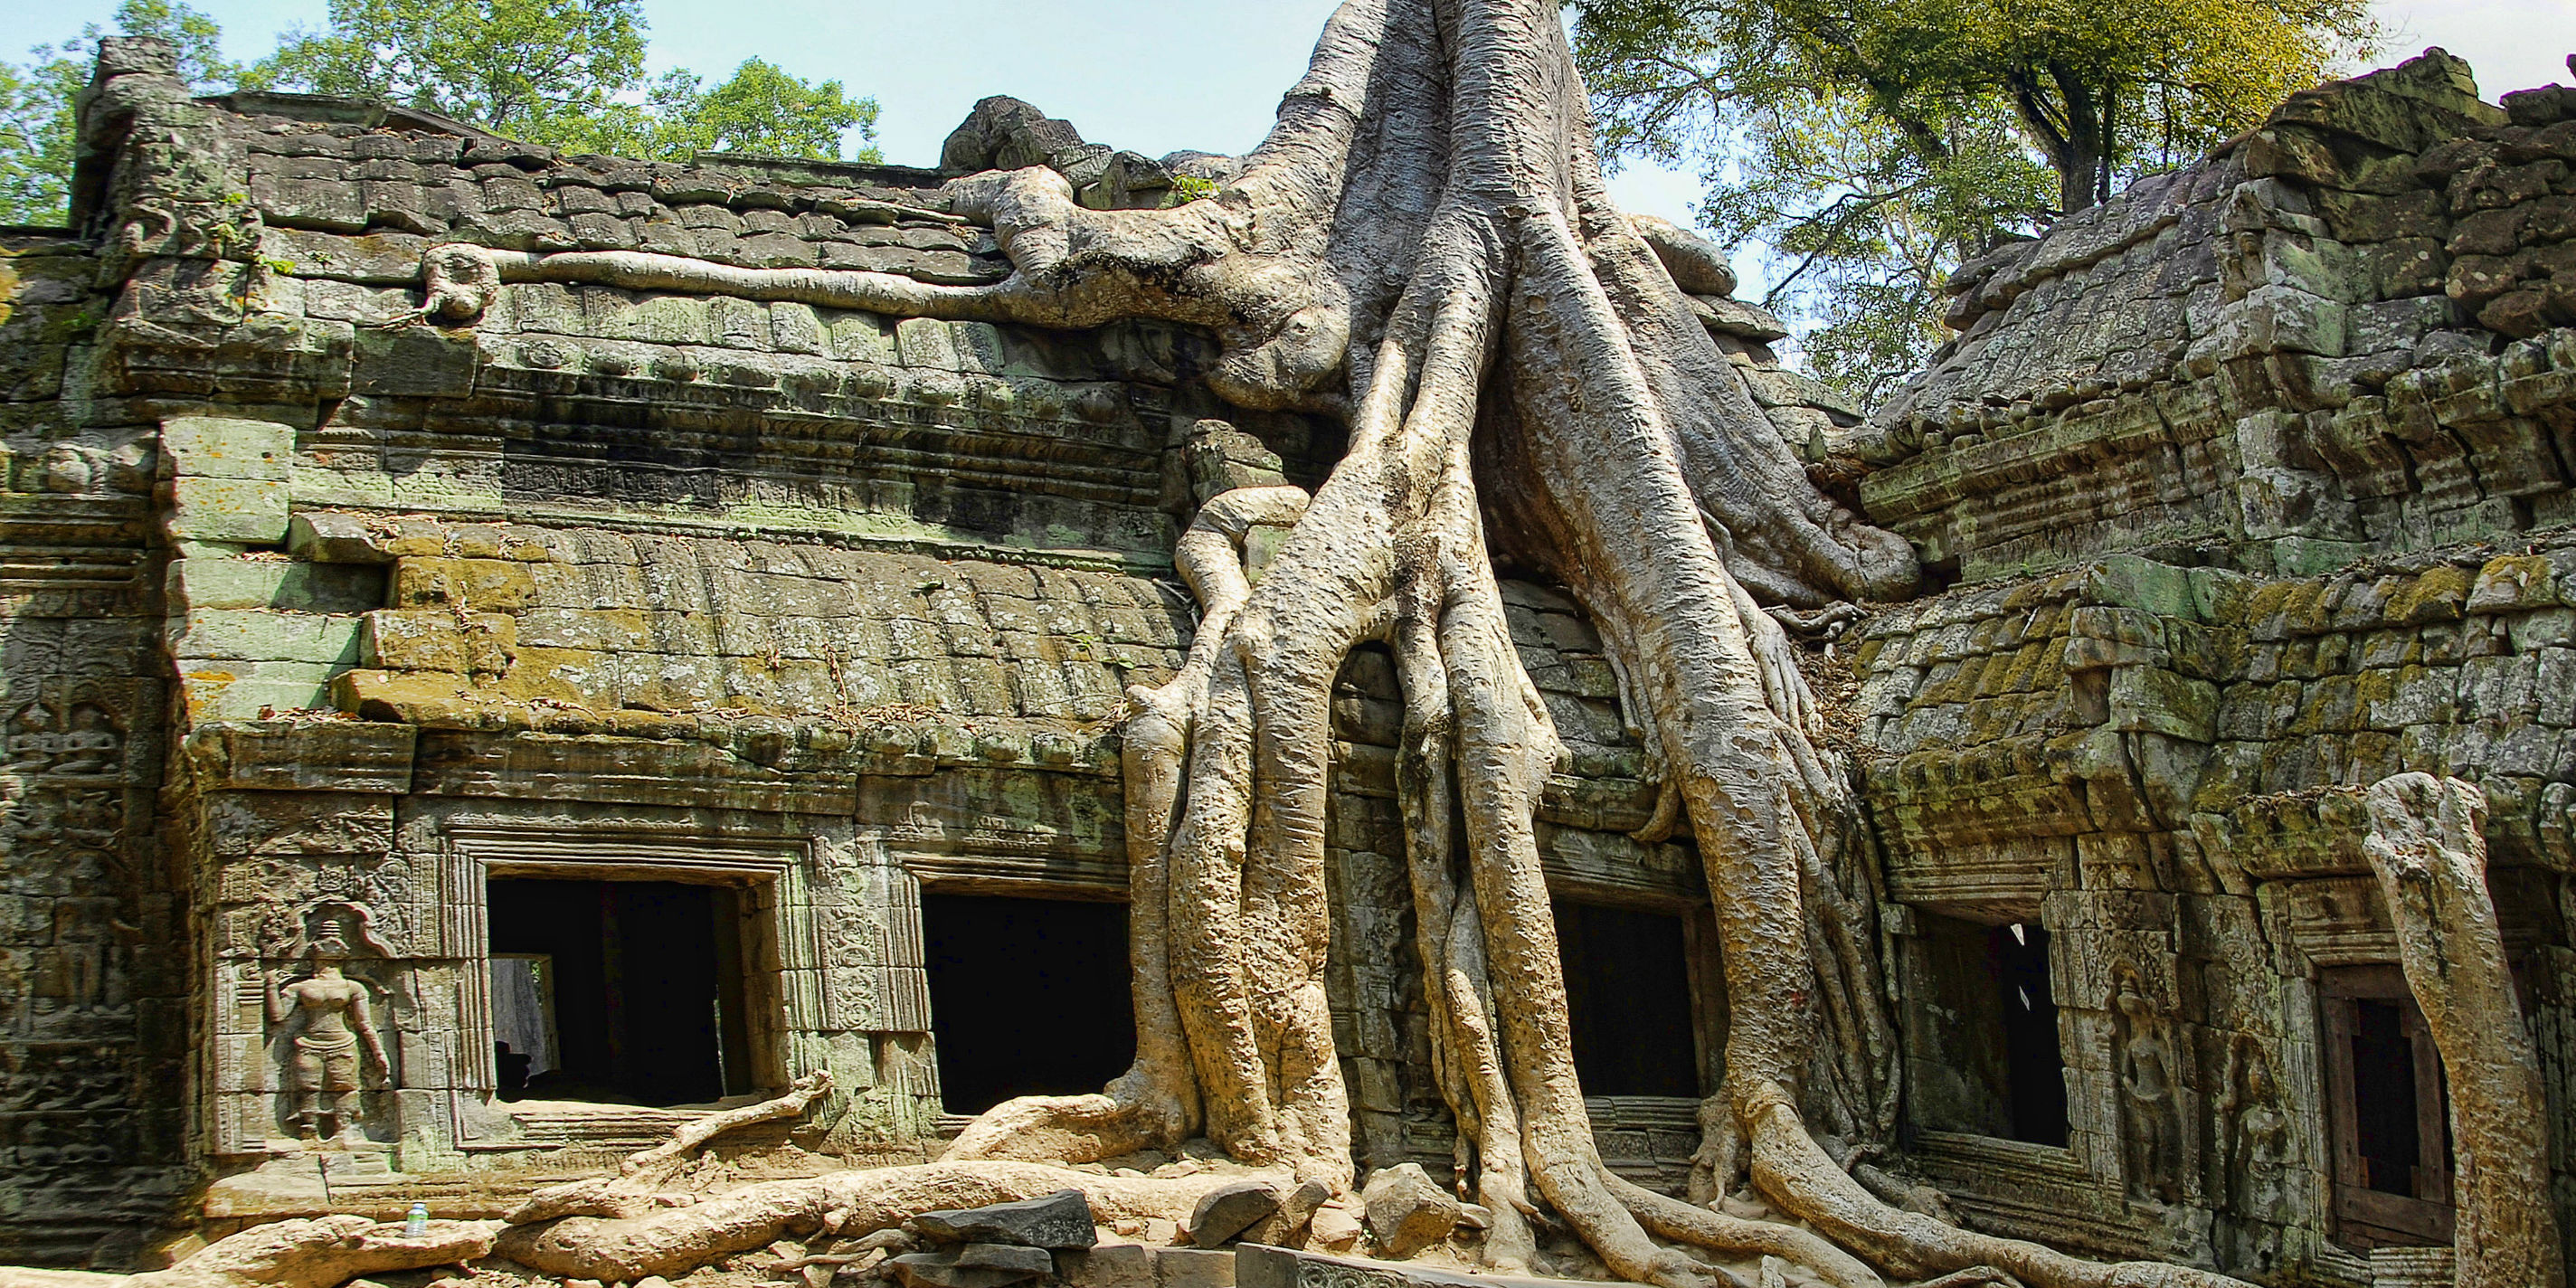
[
  {"x": 1028, "y": 997},
  {"x": 2389, "y": 1111},
  {"x": 2384, "y": 1100},
  {"x": 635, "y": 990},
  {"x": 2034, "y": 1067},
  {"x": 1627, "y": 992},
  {"x": 1982, "y": 1052}
]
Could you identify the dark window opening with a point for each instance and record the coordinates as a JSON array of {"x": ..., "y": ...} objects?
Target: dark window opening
[
  {"x": 2383, "y": 1093},
  {"x": 2389, "y": 1111},
  {"x": 1028, "y": 997},
  {"x": 1982, "y": 1049},
  {"x": 628, "y": 992},
  {"x": 2034, "y": 1068},
  {"x": 1627, "y": 992}
]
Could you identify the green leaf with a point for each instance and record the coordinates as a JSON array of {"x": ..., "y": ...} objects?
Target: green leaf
[
  {"x": 36, "y": 125},
  {"x": 569, "y": 73},
  {"x": 529, "y": 69},
  {"x": 1869, "y": 146}
]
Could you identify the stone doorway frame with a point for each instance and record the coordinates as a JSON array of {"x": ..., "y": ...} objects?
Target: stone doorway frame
[
  {"x": 2381, "y": 1218},
  {"x": 782, "y": 943},
  {"x": 980, "y": 873}
]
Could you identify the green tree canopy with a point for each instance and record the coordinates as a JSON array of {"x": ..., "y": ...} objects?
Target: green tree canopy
[
  {"x": 765, "y": 110},
  {"x": 524, "y": 68},
  {"x": 36, "y": 137},
  {"x": 563, "y": 72},
  {"x": 760, "y": 109},
  {"x": 1870, "y": 145}
]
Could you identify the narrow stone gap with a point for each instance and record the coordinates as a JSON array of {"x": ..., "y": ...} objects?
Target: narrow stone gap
[{"x": 2034, "y": 1064}]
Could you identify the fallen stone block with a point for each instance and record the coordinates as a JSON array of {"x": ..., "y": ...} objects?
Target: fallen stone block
[
  {"x": 1229, "y": 1210},
  {"x": 1406, "y": 1212},
  {"x": 1334, "y": 1226},
  {"x": 1058, "y": 1220},
  {"x": 1288, "y": 1225},
  {"x": 1109, "y": 1265},
  {"x": 1194, "y": 1268},
  {"x": 974, "y": 1265}
]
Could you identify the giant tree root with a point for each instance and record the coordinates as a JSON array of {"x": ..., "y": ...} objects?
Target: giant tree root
[
  {"x": 641, "y": 1175},
  {"x": 1155, "y": 1104},
  {"x": 2428, "y": 844},
  {"x": 322, "y": 1252},
  {"x": 1789, "y": 1166},
  {"x": 674, "y": 1241}
]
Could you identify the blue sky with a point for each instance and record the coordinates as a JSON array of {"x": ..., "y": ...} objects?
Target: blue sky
[{"x": 1159, "y": 75}]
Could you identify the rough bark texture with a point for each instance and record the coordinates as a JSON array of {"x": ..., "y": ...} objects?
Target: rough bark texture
[
  {"x": 318, "y": 1253},
  {"x": 2428, "y": 844},
  {"x": 673, "y": 1241}
]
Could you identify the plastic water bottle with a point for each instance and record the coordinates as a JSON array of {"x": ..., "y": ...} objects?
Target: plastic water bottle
[{"x": 416, "y": 1224}]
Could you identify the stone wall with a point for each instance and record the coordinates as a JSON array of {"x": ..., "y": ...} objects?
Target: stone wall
[
  {"x": 819, "y": 605},
  {"x": 2254, "y": 484},
  {"x": 2155, "y": 763},
  {"x": 826, "y": 607},
  {"x": 2282, "y": 358},
  {"x": 92, "y": 1018}
]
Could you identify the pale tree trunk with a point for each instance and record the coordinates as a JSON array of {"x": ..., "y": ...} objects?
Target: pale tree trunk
[
  {"x": 320, "y": 1252},
  {"x": 2428, "y": 844}
]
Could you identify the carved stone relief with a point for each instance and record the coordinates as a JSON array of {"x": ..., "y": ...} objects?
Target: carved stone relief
[
  {"x": 64, "y": 807},
  {"x": 283, "y": 899},
  {"x": 2150, "y": 1108},
  {"x": 56, "y": 736},
  {"x": 2254, "y": 1146},
  {"x": 326, "y": 1040}
]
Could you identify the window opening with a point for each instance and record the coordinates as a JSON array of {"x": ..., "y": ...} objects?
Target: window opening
[
  {"x": 1982, "y": 1049},
  {"x": 627, "y": 992},
  {"x": 1027, "y": 996},
  {"x": 2388, "y": 1110},
  {"x": 2384, "y": 1098},
  {"x": 1627, "y": 992},
  {"x": 2034, "y": 1089},
  {"x": 525, "y": 1044}
]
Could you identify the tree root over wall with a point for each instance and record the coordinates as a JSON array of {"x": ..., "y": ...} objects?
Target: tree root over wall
[{"x": 2428, "y": 844}]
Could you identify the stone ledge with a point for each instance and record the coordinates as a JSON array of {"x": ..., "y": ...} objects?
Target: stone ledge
[
  {"x": 2318, "y": 832},
  {"x": 1131, "y": 1265},
  {"x": 2050, "y": 1195},
  {"x": 304, "y": 755}
]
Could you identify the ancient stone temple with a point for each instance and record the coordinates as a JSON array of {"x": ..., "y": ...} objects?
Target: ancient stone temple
[{"x": 466, "y": 722}]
